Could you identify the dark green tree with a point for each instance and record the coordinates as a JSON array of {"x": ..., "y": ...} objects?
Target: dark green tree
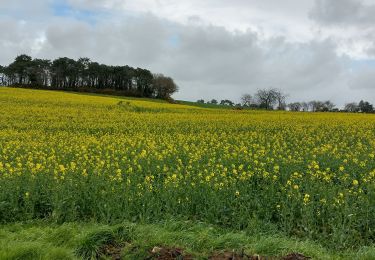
[
  {"x": 164, "y": 86},
  {"x": 84, "y": 75},
  {"x": 19, "y": 70},
  {"x": 144, "y": 80},
  {"x": 365, "y": 107},
  {"x": 226, "y": 102}
]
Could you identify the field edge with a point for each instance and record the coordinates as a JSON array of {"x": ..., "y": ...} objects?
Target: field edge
[{"x": 47, "y": 240}]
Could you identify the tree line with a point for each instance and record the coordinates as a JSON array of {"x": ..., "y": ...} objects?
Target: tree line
[
  {"x": 273, "y": 98},
  {"x": 85, "y": 75}
]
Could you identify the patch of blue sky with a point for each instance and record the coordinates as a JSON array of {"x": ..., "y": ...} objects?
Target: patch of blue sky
[
  {"x": 174, "y": 40},
  {"x": 362, "y": 64},
  {"x": 63, "y": 9}
]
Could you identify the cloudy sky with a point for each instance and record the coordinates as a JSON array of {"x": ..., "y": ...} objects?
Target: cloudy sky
[{"x": 311, "y": 49}]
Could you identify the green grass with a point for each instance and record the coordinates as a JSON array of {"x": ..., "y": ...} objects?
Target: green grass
[{"x": 44, "y": 240}]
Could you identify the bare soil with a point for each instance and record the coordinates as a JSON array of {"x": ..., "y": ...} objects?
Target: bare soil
[{"x": 167, "y": 253}]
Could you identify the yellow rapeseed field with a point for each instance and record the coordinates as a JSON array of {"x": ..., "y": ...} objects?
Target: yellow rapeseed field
[{"x": 71, "y": 157}]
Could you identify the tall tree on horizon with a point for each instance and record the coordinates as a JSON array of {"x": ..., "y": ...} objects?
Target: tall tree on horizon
[{"x": 19, "y": 70}]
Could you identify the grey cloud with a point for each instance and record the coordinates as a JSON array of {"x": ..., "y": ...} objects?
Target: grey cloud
[
  {"x": 24, "y": 11},
  {"x": 352, "y": 21},
  {"x": 215, "y": 55},
  {"x": 363, "y": 79},
  {"x": 343, "y": 13},
  {"x": 137, "y": 42},
  {"x": 228, "y": 63},
  {"x": 241, "y": 62},
  {"x": 370, "y": 48},
  {"x": 69, "y": 37},
  {"x": 96, "y": 4}
]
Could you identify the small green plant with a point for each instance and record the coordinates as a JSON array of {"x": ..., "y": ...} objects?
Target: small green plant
[
  {"x": 124, "y": 232},
  {"x": 123, "y": 103},
  {"x": 92, "y": 244}
]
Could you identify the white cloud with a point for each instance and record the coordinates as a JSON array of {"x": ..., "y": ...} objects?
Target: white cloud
[{"x": 213, "y": 49}]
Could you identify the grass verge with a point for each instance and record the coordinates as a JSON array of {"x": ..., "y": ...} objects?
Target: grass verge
[{"x": 44, "y": 240}]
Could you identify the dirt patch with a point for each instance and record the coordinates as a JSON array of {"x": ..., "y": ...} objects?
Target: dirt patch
[
  {"x": 295, "y": 256},
  {"x": 112, "y": 251},
  {"x": 167, "y": 253},
  {"x": 243, "y": 256},
  {"x": 238, "y": 256},
  {"x": 170, "y": 253}
]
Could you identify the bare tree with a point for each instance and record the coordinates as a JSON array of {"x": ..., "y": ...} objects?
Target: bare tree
[
  {"x": 296, "y": 106},
  {"x": 281, "y": 99},
  {"x": 351, "y": 107},
  {"x": 320, "y": 106},
  {"x": 305, "y": 106},
  {"x": 266, "y": 98},
  {"x": 246, "y": 100},
  {"x": 328, "y": 106},
  {"x": 314, "y": 105}
]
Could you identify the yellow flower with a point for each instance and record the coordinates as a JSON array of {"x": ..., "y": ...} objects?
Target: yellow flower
[
  {"x": 38, "y": 166},
  {"x": 306, "y": 199},
  {"x": 62, "y": 167}
]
